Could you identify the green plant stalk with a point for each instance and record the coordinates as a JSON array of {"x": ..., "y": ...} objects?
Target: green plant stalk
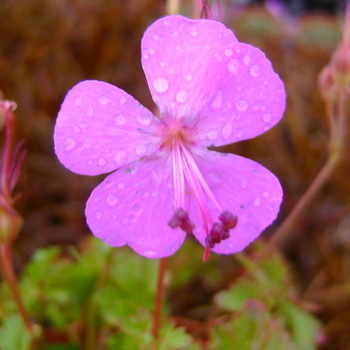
[{"x": 337, "y": 115}]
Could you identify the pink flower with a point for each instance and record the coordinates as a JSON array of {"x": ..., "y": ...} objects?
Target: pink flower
[{"x": 210, "y": 89}]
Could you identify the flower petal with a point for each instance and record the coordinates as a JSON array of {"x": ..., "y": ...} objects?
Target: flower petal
[
  {"x": 246, "y": 189},
  {"x": 100, "y": 128},
  {"x": 249, "y": 100},
  {"x": 181, "y": 58},
  {"x": 134, "y": 205},
  {"x": 198, "y": 69}
]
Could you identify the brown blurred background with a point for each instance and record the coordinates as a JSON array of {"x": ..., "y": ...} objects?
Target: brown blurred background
[{"x": 47, "y": 46}]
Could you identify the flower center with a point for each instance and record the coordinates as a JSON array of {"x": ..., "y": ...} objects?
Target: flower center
[{"x": 187, "y": 175}]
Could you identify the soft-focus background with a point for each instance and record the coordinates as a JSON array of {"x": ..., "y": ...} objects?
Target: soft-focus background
[{"x": 47, "y": 46}]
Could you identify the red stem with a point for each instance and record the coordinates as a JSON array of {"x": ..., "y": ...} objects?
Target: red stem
[
  {"x": 158, "y": 301},
  {"x": 10, "y": 278},
  {"x": 7, "y": 152}
]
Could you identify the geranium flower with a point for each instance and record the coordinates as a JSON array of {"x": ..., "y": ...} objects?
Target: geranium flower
[{"x": 211, "y": 90}]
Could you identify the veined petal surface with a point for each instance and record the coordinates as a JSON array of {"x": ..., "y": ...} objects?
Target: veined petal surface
[
  {"x": 198, "y": 70},
  {"x": 100, "y": 128},
  {"x": 243, "y": 187},
  {"x": 134, "y": 205},
  {"x": 180, "y": 58}
]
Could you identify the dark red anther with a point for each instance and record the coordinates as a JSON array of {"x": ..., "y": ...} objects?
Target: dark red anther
[
  {"x": 221, "y": 230},
  {"x": 182, "y": 220},
  {"x": 228, "y": 220}
]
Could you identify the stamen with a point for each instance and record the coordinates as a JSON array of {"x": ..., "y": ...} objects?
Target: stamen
[
  {"x": 182, "y": 220},
  {"x": 221, "y": 230}
]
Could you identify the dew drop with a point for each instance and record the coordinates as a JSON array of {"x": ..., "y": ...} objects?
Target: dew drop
[
  {"x": 254, "y": 71},
  {"x": 101, "y": 162},
  {"x": 267, "y": 117},
  {"x": 151, "y": 51},
  {"x": 140, "y": 150},
  {"x": 70, "y": 144},
  {"x": 120, "y": 120},
  {"x": 119, "y": 156},
  {"x": 161, "y": 85},
  {"x": 181, "y": 96},
  {"x": 104, "y": 100},
  {"x": 227, "y": 130},
  {"x": 90, "y": 112},
  {"x": 194, "y": 33},
  {"x": 233, "y": 66},
  {"x": 112, "y": 199},
  {"x": 246, "y": 60},
  {"x": 228, "y": 52},
  {"x": 257, "y": 202},
  {"x": 212, "y": 135},
  {"x": 143, "y": 120},
  {"x": 242, "y": 105},
  {"x": 217, "y": 101}
]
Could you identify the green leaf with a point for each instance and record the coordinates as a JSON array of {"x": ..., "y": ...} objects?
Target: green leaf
[
  {"x": 14, "y": 335},
  {"x": 235, "y": 298},
  {"x": 174, "y": 338},
  {"x": 304, "y": 327}
]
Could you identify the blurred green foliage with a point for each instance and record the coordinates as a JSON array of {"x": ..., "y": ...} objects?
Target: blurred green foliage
[{"x": 110, "y": 293}]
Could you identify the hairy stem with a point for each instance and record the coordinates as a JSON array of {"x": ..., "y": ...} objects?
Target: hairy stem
[
  {"x": 10, "y": 278},
  {"x": 158, "y": 302},
  {"x": 337, "y": 115}
]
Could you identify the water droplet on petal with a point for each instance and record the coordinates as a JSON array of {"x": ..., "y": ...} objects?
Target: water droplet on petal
[
  {"x": 120, "y": 120},
  {"x": 254, "y": 71},
  {"x": 140, "y": 150},
  {"x": 112, "y": 199},
  {"x": 104, "y": 100},
  {"x": 246, "y": 60},
  {"x": 242, "y": 105},
  {"x": 144, "y": 120},
  {"x": 228, "y": 52},
  {"x": 212, "y": 135},
  {"x": 194, "y": 33},
  {"x": 227, "y": 130},
  {"x": 151, "y": 51},
  {"x": 90, "y": 112},
  {"x": 181, "y": 96},
  {"x": 101, "y": 162},
  {"x": 217, "y": 101},
  {"x": 233, "y": 66},
  {"x": 267, "y": 117},
  {"x": 161, "y": 85},
  {"x": 150, "y": 253},
  {"x": 69, "y": 144}
]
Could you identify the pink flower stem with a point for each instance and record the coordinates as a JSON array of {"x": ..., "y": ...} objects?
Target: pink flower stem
[
  {"x": 158, "y": 302},
  {"x": 7, "y": 153},
  {"x": 10, "y": 278},
  {"x": 337, "y": 114}
]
